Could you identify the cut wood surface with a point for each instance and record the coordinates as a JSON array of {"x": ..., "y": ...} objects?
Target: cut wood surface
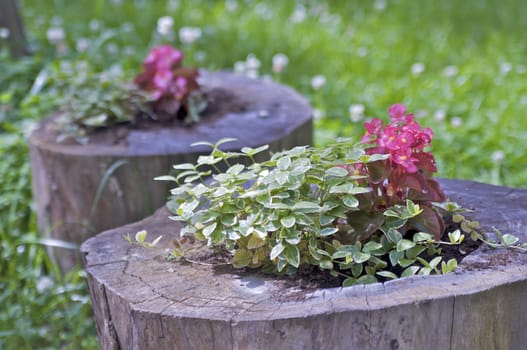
[
  {"x": 143, "y": 301},
  {"x": 123, "y": 162}
]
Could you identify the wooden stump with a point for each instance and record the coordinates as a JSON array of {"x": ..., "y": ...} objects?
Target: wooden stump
[
  {"x": 122, "y": 162},
  {"x": 142, "y": 301}
]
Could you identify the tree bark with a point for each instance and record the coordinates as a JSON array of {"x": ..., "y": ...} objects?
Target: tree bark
[
  {"x": 80, "y": 190},
  {"x": 10, "y": 19},
  {"x": 143, "y": 301}
]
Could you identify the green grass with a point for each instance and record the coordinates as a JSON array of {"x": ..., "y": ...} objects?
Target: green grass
[{"x": 365, "y": 54}]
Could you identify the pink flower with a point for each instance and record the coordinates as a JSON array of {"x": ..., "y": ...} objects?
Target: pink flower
[
  {"x": 397, "y": 112},
  {"x": 373, "y": 128},
  {"x": 404, "y": 158}
]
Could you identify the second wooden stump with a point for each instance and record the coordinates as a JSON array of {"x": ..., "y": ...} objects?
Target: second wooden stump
[{"x": 80, "y": 190}]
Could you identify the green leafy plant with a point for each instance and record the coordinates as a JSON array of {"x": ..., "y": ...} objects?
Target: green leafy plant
[
  {"x": 357, "y": 210},
  {"x": 88, "y": 99}
]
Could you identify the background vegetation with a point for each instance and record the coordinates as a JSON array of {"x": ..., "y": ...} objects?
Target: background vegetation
[{"x": 460, "y": 65}]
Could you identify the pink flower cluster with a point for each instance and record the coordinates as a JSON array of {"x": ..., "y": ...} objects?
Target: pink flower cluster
[
  {"x": 163, "y": 76},
  {"x": 403, "y": 138}
]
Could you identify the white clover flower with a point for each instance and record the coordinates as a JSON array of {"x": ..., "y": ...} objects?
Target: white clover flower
[
  {"x": 379, "y": 5},
  {"x": 280, "y": 61},
  {"x": 83, "y": 44},
  {"x": 418, "y": 68},
  {"x": 252, "y": 73},
  {"x": 263, "y": 11},
  {"x": 4, "y": 33},
  {"x": 112, "y": 48},
  {"x": 231, "y": 5},
  {"x": 440, "y": 115},
  {"x": 318, "y": 114},
  {"x": 55, "y": 35},
  {"x": 456, "y": 122},
  {"x": 188, "y": 35},
  {"x": 505, "y": 67},
  {"x": 240, "y": 67},
  {"x": 356, "y": 112},
  {"x": 95, "y": 25},
  {"x": 252, "y": 62},
  {"x": 362, "y": 51},
  {"x": 318, "y": 81},
  {"x": 450, "y": 71},
  {"x": 44, "y": 283},
  {"x": 497, "y": 156},
  {"x": 164, "y": 25},
  {"x": 299, "y": 14}
]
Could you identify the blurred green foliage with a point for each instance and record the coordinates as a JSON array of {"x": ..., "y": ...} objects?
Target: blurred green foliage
[{"x": 460, "y": 65}]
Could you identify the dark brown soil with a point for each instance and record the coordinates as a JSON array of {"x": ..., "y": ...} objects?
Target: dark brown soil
[{"x": 308, "y": 277}]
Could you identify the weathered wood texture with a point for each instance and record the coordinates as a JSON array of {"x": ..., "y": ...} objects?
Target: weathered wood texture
[
  {"x": 66, "y": 176},
  {"x": 10, "y": 19},
  {"x": 142, "y": 301}
]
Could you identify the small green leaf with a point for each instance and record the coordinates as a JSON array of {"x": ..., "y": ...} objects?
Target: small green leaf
[
  {"x": 207, "y": 231},
  {"x": 202, "y": 143},
  {"x": 413, "y": 208},
  {"x": 509, "y": 239},
  {"x": 306, "y": 207},
  {"x": 393, "y": 235},
  {"x": 288, "y": 221},
  {"x": 184, "y": 166},
  {"x": 326, "y": 220},
  {"x": 387, "y": 274},
  {"x": 348, "y": 282},
  {"x": 376, "y": 157},
  {"x": 236, "y": 169},
  {"x": 454, "y": 237},
  {"x": 395, "y": 256},
  {"x": 228, "y": 219},
  {"x": 360, "y": 257},
  {"x": 292, "y": 255},
  {"x": 422, "y": 237},
  {"x": 371, "y": 246},
  {"x": 410, "y": 271},
  {"x": 276, "y": 251},
  {"x": 435, "y": 261},
  {"x": 449, "y": 266},
  {"x": 328, "y": 231},
  {"x": 366, "y": 279},
  {"x": 326, "y": 264},
  {"x": 283, "y": 163},
  {"x": 165, "y": 178},
  {"x": 255, "y": 242},
  {"x": 241, "y": 258},
  {"x": 356, "y": 269},
  {"x": 404, "y": 244},
  {"x": 412, "y": 253},
  {"x": 406, "y": 262},
  {"x": 224, "y": 140},
  {"x": 350, "y": 201},
  {"x": 140, "y": 236},
  {"x": 336, "y": 172}
]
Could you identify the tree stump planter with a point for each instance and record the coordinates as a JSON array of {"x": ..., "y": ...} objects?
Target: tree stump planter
[
  {"x": 142, "y": 301},
  {"x": 123, "y": 161}
]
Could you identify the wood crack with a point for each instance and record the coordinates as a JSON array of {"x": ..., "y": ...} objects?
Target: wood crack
[{"x": 452, "y": 323}]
